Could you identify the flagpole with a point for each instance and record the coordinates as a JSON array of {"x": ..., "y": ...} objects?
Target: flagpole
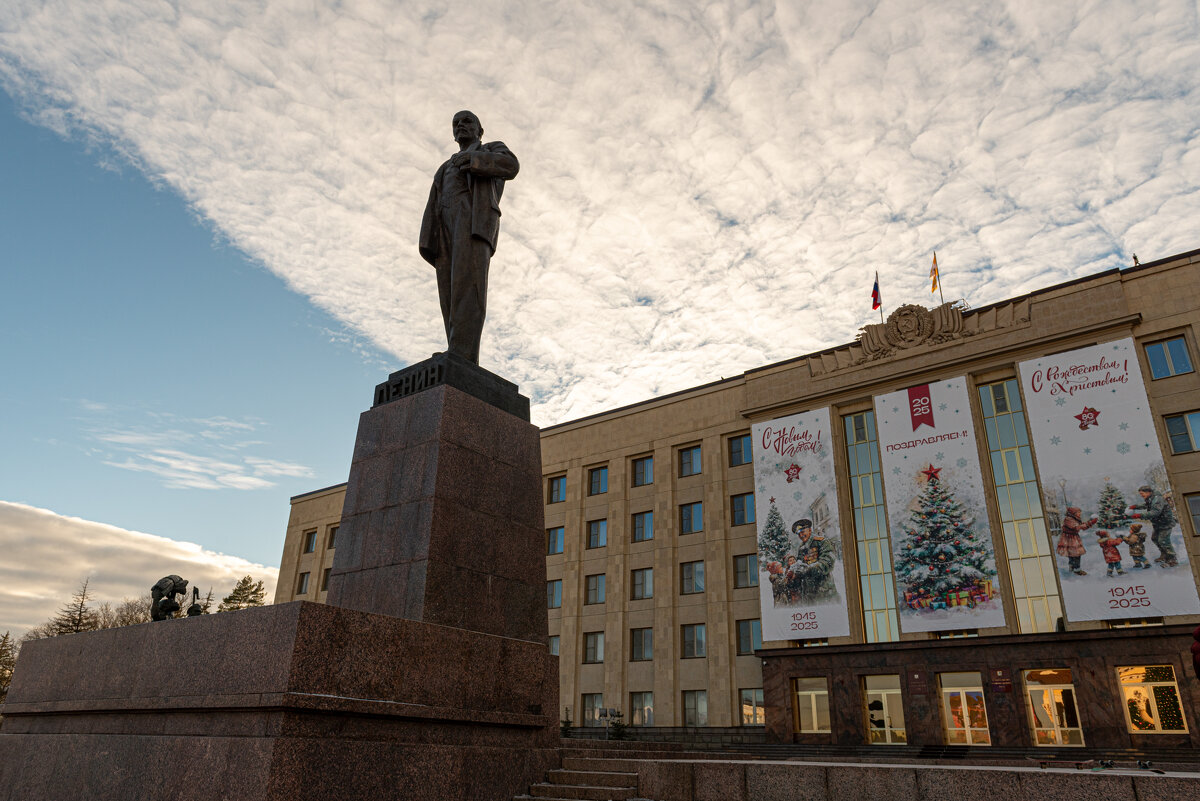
[{"x": 938, "y": 273}]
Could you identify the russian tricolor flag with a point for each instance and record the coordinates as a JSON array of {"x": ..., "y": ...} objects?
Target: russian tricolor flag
[{"x": 876, "y": 300}]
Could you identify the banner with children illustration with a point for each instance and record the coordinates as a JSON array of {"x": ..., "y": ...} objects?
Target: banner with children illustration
[
  {"x": 943, "y": 558},
  {"x": 802, "y": 586},
  {"x": 1115, "y": 530}
]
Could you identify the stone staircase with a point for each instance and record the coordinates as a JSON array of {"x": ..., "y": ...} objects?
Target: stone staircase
[{"x": 598, "y": 770}]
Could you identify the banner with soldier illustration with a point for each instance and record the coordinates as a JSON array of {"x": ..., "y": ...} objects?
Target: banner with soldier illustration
[
  {"x": 943, "y": 558},
  {"x": 802, "y": 586},
  {"x": 1114, "y": 526}
]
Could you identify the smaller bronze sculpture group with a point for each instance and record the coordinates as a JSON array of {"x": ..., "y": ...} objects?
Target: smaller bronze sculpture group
[{"x": 163, "y": 605}]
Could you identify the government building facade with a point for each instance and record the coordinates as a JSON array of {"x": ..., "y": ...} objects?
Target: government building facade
[{"x": 1065, "y": 619}]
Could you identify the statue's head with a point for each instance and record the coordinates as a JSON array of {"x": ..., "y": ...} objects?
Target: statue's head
[{"x": 466, "y": 127}]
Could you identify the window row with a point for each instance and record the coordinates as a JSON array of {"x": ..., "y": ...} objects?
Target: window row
[
  {"x": 641, "y": 581},
  {"x": 692, "y": 644},
  {"x": 641, "y": 472},
  {"x": 303, "y": 582},
  {"x": 1149, "y": 698},
  {"x": 308, "y": 540},
  {"x": 691, "y": 521},
  {"x": 694, "y": 704}
]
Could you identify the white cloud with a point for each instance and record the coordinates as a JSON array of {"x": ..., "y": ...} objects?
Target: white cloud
[
  {"x": 698, "y": 186},
  {"x": 185, "y": 453},
  {"x": 47, "y": 555}
]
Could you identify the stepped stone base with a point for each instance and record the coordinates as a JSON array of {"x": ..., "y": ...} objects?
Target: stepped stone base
[{"x": 282, "y": 703}]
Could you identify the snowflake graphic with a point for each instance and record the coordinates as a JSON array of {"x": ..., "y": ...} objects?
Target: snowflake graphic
[
  {"x": 1124, "y": 426},
  {"x": 961, "y": 463},
  {"x": 1123, "y": 448},
  {"x": 1087, "y": 450},
  {"x": 1116, "y": 347},
  {"x": 812, "y": 477},
  {"x": 941, "y": 457},
  {"x": 942, "y": 406},
  {"x": 796, "y": 496},
  {"x": 1060, "y": 401},
  {"x": 895, "y": 409},
  {"x": 896, "y": 470},
  {"x": 1055, "y": 440}
]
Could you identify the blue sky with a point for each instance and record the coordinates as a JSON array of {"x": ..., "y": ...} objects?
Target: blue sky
[{"x": 208, "y": 215}]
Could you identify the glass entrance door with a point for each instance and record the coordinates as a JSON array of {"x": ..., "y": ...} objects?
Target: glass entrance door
[
  {"x": 885, "y": 710},
  {"x": 1052, "y": 711},
  {"x": 964, "y": 715}
]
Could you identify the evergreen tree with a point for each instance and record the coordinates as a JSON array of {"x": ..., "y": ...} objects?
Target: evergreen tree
[
  {"x": 1112, "y": 508},
  {"x": 773, "y": 542},
  {"x": 941, "y": 552},
  {"x": 76, "y": 616},
  {"x": 206, "y": 604},
  {"x": 246, "y": 593},
  {"x": 8, "y": 660}
]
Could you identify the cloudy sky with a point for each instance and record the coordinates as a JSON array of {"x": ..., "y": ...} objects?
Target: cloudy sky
[{"x": 209, "y": 210}]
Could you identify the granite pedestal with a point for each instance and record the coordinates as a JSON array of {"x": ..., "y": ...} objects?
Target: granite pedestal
[{"x": 426, "y": 677}]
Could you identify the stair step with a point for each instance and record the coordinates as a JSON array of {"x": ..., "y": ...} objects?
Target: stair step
[
  {"x": 582, "y": 792},
  {"x": 593, "y": 778}
]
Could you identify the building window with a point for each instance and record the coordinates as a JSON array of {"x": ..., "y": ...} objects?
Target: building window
[
  {"x": 325, "y": 579},
  {"x": 691, "y": 518},
  {"x": 693, "y": 641},
  {"x": 1184, "y": 432},
  {"x": 597, "y": 533},
  {"x": 745, "y": 571},
  {"x": 691, "y": 578},
  {"x": 598, "y": 481},
  {"x": 641, "y": 709},
  {"x": 1030, "y": 558},
  {"x": 1168, "y": 358},
  {"x": 554, "y": 644},
  {"x": 1151, "y": 700},
  {"x": 752, "y": 707},
  {"x": 695, "y": 708},
  {"x": 1050, "y": 699},
  {"x": 880, "y": 623},
  {"x": 593, "y": 647},
  {"x": 743, "y": 508},
  {"x": 689, "y": 461},
  {"x": 885, "y": 710},
  {"x": 554, "y": 540},
  {"x": 333, "y": 530},
  {"x": 642, "y": 582},
  {"x": 1193, "y": 507},
  {"x": 739, "y": 450},
  {"x": 643, "y": 471},
  {"x": 810, "y": 705},
  {"x": 554, "y": 594},
  {"x": 964, "y": 714},
  {"x": 643, "y": 526},
  {"x": 641, "y": 645},
  {"x": 302, "y": 584},
  {"x": 592, "y": 704},
  {"x": 594, "y": 589},
  {"x": 310, "y": 541},
  {"x": 749, "y": 634},
  {"x": 558, "y": 489}
]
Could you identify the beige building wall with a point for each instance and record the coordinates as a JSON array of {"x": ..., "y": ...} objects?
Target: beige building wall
[
  {"x": 313, "y": 523},
  {"x": 1149, "y": 303}
]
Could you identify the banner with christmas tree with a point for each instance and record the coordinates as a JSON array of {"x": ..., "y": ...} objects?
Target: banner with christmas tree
[
  {"x": 943, "y": 559},
  {"x": 802, "y": 586},
  {"x": 1114, "y": 525}
]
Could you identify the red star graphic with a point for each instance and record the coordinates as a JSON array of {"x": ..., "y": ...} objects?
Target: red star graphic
[
  {"x": 793, "y": 473},
  {"x": 931, "y": 472},
  {"x": 772, "y": 500},
  {"x": 1088, "y": 417}
]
